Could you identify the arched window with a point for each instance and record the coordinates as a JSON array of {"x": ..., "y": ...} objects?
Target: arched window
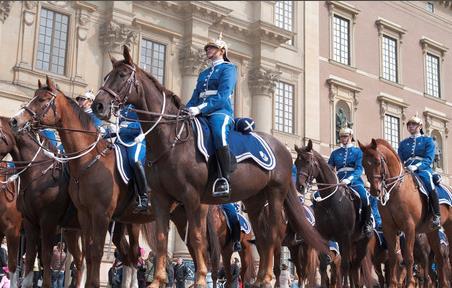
[{"x": 343, "y": 117}]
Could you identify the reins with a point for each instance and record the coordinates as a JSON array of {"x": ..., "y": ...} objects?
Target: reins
[{"x": 396, "y": 180}]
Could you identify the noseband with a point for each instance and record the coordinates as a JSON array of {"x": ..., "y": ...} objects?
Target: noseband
[
  {"x": 121, "y": 98},
  {"x": 36, "y": 118}
]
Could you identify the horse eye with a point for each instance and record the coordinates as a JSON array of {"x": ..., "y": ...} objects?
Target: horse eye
[{"x": 122, "y": 74}]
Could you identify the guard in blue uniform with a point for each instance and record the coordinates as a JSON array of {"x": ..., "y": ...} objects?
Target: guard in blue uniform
[
  {"x": 129, "y": 129},
  {"x": 85, "y": 101},
  {"x": 417, "y": 153},
  {"x": 232, "y": 213},
  {"x": 347, "y": 160},
  {"x": 212, "y": 99}
]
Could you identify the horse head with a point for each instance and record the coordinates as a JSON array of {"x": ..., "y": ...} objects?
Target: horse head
[
  {"x": 120, "y": 86},
  {"x": 375, "y": 167},
  {"x": 307, "y": 165},
  {"x": 7, "y": 140},
  {"x": 40, "y": 110}
]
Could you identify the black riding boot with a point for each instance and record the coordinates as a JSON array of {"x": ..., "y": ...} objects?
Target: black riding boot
[
  {"x": 143, "y": 188},
  {"x": 436, "y": 221},
  {"x": 367, "y": 224},
  {"x": 235, "y": 236},
  {"x": 221, "y": 185}
]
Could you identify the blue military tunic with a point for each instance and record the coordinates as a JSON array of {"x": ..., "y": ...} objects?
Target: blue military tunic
[
  {"x": 348, "y": 163},
  {"x": 129, "y": 129},
  {"x": 212, "y": 96},
  {"x": 419, "y": 151}
]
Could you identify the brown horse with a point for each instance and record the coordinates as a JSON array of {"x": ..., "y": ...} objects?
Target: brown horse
[
  {"x": 10, "y": 220},
  {"x": 333, "y": 278},
  {"x": 335, "y": 214},
  {"x": 178, "y": 172},
  {"x": 95, "y": 185},
  {"x": 404, "y": 210},
  {"x": 43, "y": 201}
]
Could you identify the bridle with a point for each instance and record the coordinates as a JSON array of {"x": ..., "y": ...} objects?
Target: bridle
[
  {"x": 387, "y": 184},
  {"x": 120, "y": 98},
  {"x": 313, "y": 163},
  {"x": 36, "y": 118}
]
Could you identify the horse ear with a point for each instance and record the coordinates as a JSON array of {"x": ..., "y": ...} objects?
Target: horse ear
[
  {"x": 39, "y": 84},
  {"x": 374, "y": 144},
  {"x": 126, "y": 54},
  {"x": 112, "y": 59},
  {"x": 297, "y": 148},
  {"x": 309, "y": 147},
  {"x": 361, "y": 146},
  {"x": 50, "y": 83}
]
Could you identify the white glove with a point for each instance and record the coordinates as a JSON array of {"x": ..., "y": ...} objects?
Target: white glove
[
  {"x": 194, "y": 111},
  {"x": 346, "y": 181},
  {"x": 412, "y": 167}
]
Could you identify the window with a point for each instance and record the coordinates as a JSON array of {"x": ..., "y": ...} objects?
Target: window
[
  {"x": 152, "y": 59},
  {"x": 389, "y": 53},
  {"x": 341, "y": 40},
  {"x": 284, "y": 16},
  {"x": 429, "y": 7},
  {"x": 52, "y": 43},
  {"x": 392, "y": 130},
  {"x": 284, "y": 107},
  {"x": 432, "y": 75}
]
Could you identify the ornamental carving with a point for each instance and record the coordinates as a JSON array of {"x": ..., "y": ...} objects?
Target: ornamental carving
[
  {"x": 114, "y": 35},
  {"x": 31, "y": 5},
  {"x": 192, "y": 60},
  {"x": 5, "y": 9},
  {"x": 263, "y": 80}
]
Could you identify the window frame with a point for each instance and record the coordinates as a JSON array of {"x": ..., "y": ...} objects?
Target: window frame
[
  {"x": 147, "y": 37},
  {"x": 396, "y": 56},
  {"x": 399, "y": 127},
  {"x": 292, "y": 42},
  {"x": 293, "y": 122},
  {"x": 438, "y": 76},
  {"x": 438, "y": 50},
  {"x": 68, "y": 61}
]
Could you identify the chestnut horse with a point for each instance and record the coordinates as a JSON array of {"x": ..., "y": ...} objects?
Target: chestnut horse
[
  {"x": 43, "y": 201},
  {"x": 10, "y": 218},
  {"x": 404, "y": 209},
  {"x": 95, "y": 185},
  {"x": 335, "y": 214},
  {"x": 178, "y": 172}
]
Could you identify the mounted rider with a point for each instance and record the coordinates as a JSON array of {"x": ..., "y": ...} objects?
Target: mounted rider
[
  {"x": 85, "y": 101},
  {"x": 212, "y": 99},
  {"x": 129, "y": 129},
  {"x": 347, "y": 160},
  {"x": 417, "y": 153}
]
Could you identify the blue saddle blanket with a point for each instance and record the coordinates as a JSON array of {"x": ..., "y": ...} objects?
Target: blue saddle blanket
[
  {"x": 309, "y": 215},
  {"x": 334, "y": 246},
  {"x": 381, "y": 238},
  {"x": 444, "y": 194},
  {"x": 122, "y": 163},
  {"x": 245, "y": 225},
  {"x": 243, "y": 146}
]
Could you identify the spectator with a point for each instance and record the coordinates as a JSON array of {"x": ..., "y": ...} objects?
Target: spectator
[
  {"x": 284, "y": 278},
  {"x": 169, "y": 273},
  {"x": 4, "y": 282},
  {"x": 115, "y": 272},
  {"x": 57, "y": 265},
  {"x": 235, "y": 270},
  {"x": 37, "y": 274},
  {"x": 73, "y": 269},
  {"x": 141, "y": 270},
  {"x": 180, "y": 273},
  {"x": 150, "y": 264},
  {"x": 3, "y": 258}
]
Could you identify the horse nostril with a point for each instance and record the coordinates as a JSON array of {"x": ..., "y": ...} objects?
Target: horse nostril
[
  {"x": 13, "y": 122},
  {"x": 98, "y": 108}
]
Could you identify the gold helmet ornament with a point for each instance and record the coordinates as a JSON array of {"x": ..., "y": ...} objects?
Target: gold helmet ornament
[
  {"x": 415, "y": 119},
  {"x": 87, "y": 95},
  {"x": 345, "y": 131},
  {"x": 220, "y": 44}
]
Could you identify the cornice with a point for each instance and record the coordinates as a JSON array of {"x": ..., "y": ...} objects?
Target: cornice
[
  {"x": 388, "y": 25},
  {"x": 84, "y": 5},
  {"x": 429, "y": 43},
  {"x": 435, "y": 114},
  {"x": 392, "y": 100},
  {"x": 336, "y": 81},
  {"x": 139, "y": 22},
  {"x": 269, "y": 33}
]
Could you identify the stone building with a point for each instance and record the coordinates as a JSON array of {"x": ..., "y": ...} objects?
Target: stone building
[{"x": 304, "y": 68}]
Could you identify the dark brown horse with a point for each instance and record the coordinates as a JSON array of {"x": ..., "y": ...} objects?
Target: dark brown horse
[
  {"x": 43, "y": 201},
  {"x": 10, "y": 220},
  {"x": 335, "y": 212},
  {"x": 95, "y": 185},
  {"x": 178, "y": 172},
  {"x": 404, "y": 210}
]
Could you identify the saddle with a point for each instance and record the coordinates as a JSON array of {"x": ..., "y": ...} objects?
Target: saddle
[{"x": 444, "y": 193}]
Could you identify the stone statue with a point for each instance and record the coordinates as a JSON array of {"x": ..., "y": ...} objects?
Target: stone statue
[
  {"x": 437, "y": 159},
  {"x": 341, "y": 122}
]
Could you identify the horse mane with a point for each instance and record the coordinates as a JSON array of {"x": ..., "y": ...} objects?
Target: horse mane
[
  {"x": 84, "y": 117},
  {"x": 385, "y": 144},
  {"x": 174, "y": 98}
]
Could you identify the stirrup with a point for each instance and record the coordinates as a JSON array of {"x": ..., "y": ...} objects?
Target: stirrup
[
  {"x": 220, "y": 187},
  {"x": 142, "y": 206},
  {"x": 436, "y": 222},
  {"x": 237, "y": 247}
]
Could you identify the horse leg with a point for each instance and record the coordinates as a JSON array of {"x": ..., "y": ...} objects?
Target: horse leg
[
  {"x": 276, "y": 266},
  {"x": 161, "y": 206},
  {"x": 245, "y": 257},
  {"x": 13, "y": 241},
  {"x": 71, "y": 237},
  {"x": 47, "y": 233},
  {"x": 226, "y": 254},
  {"x": 391, "y": 241},
  {"x": 32, "y": 239},
  {"x": 99, "y": 226},
  {"x": 336, "y": 275},
  {"x": 324, "y": 281},
  {"x": 134, "y": 250},
  {"x": 434, "y": 241},
  {"x": 254, "y": 216},
  {"x": 345, "y": 248},
  {"x": 448, "y": 230}
]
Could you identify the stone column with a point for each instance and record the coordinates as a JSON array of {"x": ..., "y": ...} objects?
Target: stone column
[
  {"x": 192, "y": 61},
  {"x": 262, "y": 83},
  {"x": 28, "y": 34}
]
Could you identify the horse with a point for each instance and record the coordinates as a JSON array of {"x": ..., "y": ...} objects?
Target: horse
[
  {"x": 42, "y": 200},
  {"x": 95, "y": 185},
  {"x": 334, "y": 260},
  {"x": 10, "y": 219},
  {"x": 332, "y": 212},
  {"x": 379, "y": 256},
  {"x": 184, "y": 175},
  {"x": 402, "y": 207}
]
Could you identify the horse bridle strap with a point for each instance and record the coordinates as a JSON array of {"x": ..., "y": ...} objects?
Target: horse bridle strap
[
  {"x": 395, "y": 181},
  {"x": 131, "y": 82}
]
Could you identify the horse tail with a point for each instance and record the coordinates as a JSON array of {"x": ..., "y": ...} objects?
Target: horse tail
[
  {"x": 149, "y": 232},
  {"x": 297, "y": 219},
  {"x": 250, "y": 271},
  {"x": 214, "y": 245},
  {"x": 366, "y": 267},
  {"x": 312, "y": 260}
]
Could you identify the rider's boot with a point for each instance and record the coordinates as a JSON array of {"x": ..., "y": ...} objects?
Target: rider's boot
[
  {"x": 143, "y": 188},
  {"x": 436, "y": 221},
  {"x": 227, "y": 164},
  {"x": 367, "y": 224},
  {"x": 235, "y": 235}
]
